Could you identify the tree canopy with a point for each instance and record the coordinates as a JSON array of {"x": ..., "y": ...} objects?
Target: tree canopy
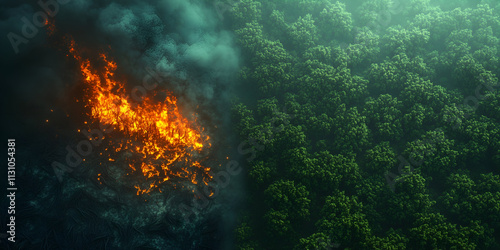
[{"x": 378, "y": 121}]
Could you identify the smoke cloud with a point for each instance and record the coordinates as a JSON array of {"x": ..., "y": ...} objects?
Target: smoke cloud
[{"x": 182, "y": 42}]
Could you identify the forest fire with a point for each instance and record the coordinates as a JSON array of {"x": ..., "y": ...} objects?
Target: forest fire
[{"x": 158, "y": 142}]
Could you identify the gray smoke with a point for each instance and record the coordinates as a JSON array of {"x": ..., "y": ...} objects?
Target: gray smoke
[
  {"x": 180, "y": 43},
  {"x": 181, "y": 40}
]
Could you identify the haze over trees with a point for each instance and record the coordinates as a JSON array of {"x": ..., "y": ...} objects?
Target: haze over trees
[{"x": 389, "y": 124}]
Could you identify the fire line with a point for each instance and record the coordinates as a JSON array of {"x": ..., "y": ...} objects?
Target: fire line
[{"x": 161, "y": 144}]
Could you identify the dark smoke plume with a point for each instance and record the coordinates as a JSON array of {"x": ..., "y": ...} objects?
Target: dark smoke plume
[{"x": 179, "y": 43}]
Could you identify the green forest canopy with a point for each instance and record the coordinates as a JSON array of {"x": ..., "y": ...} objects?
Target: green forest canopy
[{"x": 393, "y": 140}]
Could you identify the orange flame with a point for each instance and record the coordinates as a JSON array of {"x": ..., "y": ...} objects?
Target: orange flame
[{"x": 162, "y": 142}]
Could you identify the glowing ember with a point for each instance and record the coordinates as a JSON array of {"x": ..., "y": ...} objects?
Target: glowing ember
[{"x": 161, "y": 144}]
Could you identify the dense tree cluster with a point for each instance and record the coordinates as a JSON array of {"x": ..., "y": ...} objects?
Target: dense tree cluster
[{"x": 376, "y": 125}]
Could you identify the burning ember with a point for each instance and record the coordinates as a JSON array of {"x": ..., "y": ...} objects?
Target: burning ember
[{"x": 155, "y": 140}]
